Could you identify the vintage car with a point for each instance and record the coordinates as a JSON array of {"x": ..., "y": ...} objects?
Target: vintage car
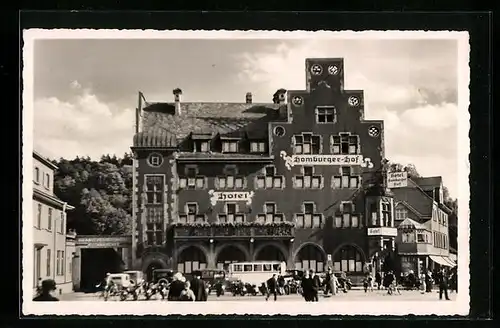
[
  {"x": 136, "y": 277},
  {"x": 120, "y": 280},
  {"x": 162, "y": 275}
]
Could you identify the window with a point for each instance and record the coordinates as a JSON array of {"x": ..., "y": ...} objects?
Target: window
[
  {"x": 401, "y": 214},
  {"x": 348, "y": 259},
  {"x": 408, "y": 237},
  {"x": 325, "y": 115},
  {"x": 257, "y": 147},
  {"x": 346, "y": 218},
  {"x": 230, "y": 146},
  {"x": 37, "y": 175},
  {"x": 154, "y": 213},
  {"x": 346, "y": 179},
  {"x": 269, "y": 179},
  {"x": 201, "y": 146},
  {"x": 307, "y": 143},
  {"x": 231, "y": 214},
  {"x": 386, "y": 215},
  {"x": 153, "y": 186},
  {"x": 345, "y": 144},
  {"x": 191, "y": 179},
  {"x": 191, "y": 214},
  {"x": 39, "y": 216},
  {"x": 308, "y": 179},
  {"x": 270, "y": 214},
  {"x": 420, "y": 237},
  {"x": 62, "y": 264},
  {"x": 61, "y": 228},
  {"x": 49, "y": 220},
  {"x": 47, "y": 180},
  {"x": 231, "y": 182},
  {"x": 154, "y": 233},
  {"x": 155, "y": 159},
  {"x": 48, "y": 262},
  {"x": 309, "y": 218}
]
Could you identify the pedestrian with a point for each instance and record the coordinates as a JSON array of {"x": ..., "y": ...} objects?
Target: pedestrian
[
  {"x": 199, "y": 288},
  {"x": 316, "y": 285},
  {"x": 442, "y": 280},
  {"x": 47, "y": 288},
  {"x": 328, "y": 282},
  {"x": 272, "y": 287},
  {"x": 423, "y": 285},
  {"x": 378, "y": 280},
  {"x": 306, "y": 285},
  {"x": 176, "y": 287},
  {"x": 428, "y": 282},
  {"x": 187, "y": 294}
]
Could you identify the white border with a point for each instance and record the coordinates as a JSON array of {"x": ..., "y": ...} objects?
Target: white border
[{"x": 460, "y": 306}]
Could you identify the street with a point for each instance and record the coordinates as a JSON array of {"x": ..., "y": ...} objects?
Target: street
[{"x": 353, "y": 295}]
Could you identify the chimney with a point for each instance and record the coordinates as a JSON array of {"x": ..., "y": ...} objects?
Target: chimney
[
  {"x": 249, "y": 98},
  {"x": 279, "y": 97},
  {"x": 177, "y": 98}
]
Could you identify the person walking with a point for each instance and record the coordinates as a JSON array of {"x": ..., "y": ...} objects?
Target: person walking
[
  {"x": 306, "y": 285},
  {"x": 176, "y": 288},
  {"x": 378, "y": 280},
  {"x": 47, "y": 288},
  {"x": 199, "y": 288},
  {"x": 328, "y": 282},
  {"x": 272, "y": 287},
  {"x": 316, "y": 285},
  {"x": 442, "y": 280},
  {"x": 428, "y": 282}
]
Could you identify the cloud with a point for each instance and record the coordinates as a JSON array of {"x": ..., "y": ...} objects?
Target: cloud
[
  {"x": 81, "y": 126},
  {"x": 414, "y": 93}
]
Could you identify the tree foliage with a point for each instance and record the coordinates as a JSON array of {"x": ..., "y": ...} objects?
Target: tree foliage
[{"x": 101, "y": 192}]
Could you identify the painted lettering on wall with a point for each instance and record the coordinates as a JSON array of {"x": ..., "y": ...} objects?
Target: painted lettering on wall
[
  {"x": 293, "y": 160},
  {"x": 397, "y": 179},
  {"x": 230, "y": 196}
]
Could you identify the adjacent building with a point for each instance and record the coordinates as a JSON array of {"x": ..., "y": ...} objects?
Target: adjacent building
[
  {"x": 421, "y": 218},
  {"x": 298, "y": 180},
  {"x": 53, "y": 246}
]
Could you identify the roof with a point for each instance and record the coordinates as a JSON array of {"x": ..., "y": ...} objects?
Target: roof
[
  {"x": 187, "y": 156},
  {"x": 51, "y": 199},
  {"x": 44, "y": 160},
  {"x": 155, "y": 138},
  {"x": 414, "y": 197},
  {"x": 411, "y": 224},
  {"x": 226, "y": 119},
  {"x": 427, "y": 183}
]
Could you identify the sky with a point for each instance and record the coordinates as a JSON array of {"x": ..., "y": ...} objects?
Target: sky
[{"x": 85, "y": 91}]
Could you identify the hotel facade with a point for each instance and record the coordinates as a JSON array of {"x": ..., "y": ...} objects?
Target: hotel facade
[
  {"x": 53, "y": 246},
  {"x": 299, "y": 180}
]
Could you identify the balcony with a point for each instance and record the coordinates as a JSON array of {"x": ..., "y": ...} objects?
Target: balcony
[{"x": 233, "y": 231}]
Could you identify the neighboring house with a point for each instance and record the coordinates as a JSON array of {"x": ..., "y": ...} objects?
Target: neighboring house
[
  {"x": 53, "y": 246},
  {"x": 422, "y": 221},
  {"x": 216, "y": 183}
]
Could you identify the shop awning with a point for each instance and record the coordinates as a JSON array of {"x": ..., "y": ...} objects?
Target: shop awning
[
  {"x": 449, "y": 260},
  {"x": 440, "y": 260}
]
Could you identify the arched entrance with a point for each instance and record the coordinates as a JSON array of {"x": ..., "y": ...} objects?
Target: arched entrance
[
  {"x": 270, "y": 253},
  {"x": 310, "y": 257},
  {"x": 153, "y": 266},
  {"x": 190, "y": 259},
  {"x": 229, "y": 254},
  {"x": 348, "y": 258}
]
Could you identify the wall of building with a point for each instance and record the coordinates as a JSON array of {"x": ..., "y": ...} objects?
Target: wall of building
[{"x": 43, "y": 181}]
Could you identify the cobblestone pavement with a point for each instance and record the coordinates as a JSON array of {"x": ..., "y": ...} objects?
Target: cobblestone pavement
[{"x": 353, "y": 295}]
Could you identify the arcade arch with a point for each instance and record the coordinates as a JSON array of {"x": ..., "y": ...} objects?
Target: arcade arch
[{"x": 310, "y": 256}]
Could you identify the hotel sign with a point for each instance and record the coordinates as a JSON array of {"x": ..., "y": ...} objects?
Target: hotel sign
[
  {"x": 103, "y": 242},
  {"x": 230, "y": 196},
  {"x": 397, "y": 179},
  {"x": 293, "y": 160},
  {"x": 383, "y": 231}
]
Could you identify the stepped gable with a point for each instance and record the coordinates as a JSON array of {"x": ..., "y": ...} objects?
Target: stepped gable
[{"x": 226, "y": 119}]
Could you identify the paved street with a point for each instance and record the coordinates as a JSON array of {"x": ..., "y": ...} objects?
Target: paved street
[{"x": 353, "y": 295}]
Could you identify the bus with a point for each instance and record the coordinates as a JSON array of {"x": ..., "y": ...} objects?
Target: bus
[{"x": 257, "y": 272}]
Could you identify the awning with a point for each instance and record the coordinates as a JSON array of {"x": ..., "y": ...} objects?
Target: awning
[
  {"x": 449, "y": 260},
  {"x": 440, "y": 260},
  {"x": 453, "y": 257}
]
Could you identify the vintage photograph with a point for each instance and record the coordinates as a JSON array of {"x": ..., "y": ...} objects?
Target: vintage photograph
[{"x": 245, "y": 172}]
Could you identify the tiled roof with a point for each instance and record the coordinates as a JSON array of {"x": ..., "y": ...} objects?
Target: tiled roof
[
  {"x": 428, "y": 182},
  {"x": 229, "y": 119},
  {"x": 412, "y": 224},
  {"x": 154, "y": 137},
  {"x": 415, "y": 197}
]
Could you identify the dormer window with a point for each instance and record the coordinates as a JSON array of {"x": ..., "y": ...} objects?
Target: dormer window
[
  {"x": 201, "y": 146},
  {"x": 229, "y": 145},
  {"x": 325, "y": 115},
  {"x": 257, "y": 147}
]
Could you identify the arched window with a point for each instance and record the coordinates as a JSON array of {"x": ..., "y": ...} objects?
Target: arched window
[
  {"x": 348, "y": 259},
  {"x": 310, "y": 257},
  {"x": 191, "y": 259}
]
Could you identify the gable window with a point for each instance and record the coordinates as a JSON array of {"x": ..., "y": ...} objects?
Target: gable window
[
  {"x": 270, "y": 179},
  {"x": 230, "y": 146},
  {"x": 401, "y": 214},
  {"x": 231, "y": 182},
  {"x": 271, "y": 214},
  {"x": 325, "y": 115},
  {"x": 308, "y": 179},
  {"x": 307, "y": 143},
  {"x": 346, "y": 179},
  {"x": 191, "y": 179},
  {"x": 258, "y": 147},
  {"x": 37, "y": 175},
  {"x": 345, "y": 144},
  {"x": 154, "y": 188},
  {"x": 231, "y": 214},
  {"x": 201, "y": 146},
  {"x": 309, "y": 218}
]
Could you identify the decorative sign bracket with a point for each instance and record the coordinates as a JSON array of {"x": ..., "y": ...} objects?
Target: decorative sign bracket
[{"x": 349, "y": 160}]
